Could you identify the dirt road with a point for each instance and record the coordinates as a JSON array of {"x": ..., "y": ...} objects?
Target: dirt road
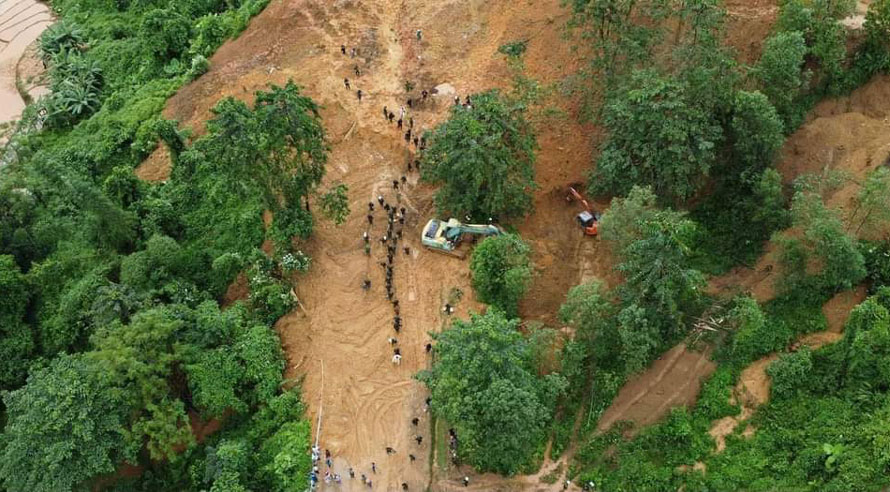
[
  {"x": 338, "y": 343},
  {"x": 21, "y": 22}
]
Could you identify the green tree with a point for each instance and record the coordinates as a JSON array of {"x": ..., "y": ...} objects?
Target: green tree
[
  {"x": 781, "y": 75},
  {"x": 165, "y": 33},
  {"x": 825, "y": 243},
  {"x": 655, "y": 248},
  {"x": 872, "y": 201},
  {"x": 658, "y": 137},
  {"x": 790, "y": 372},
  {"x": 501, "y": 271},
  {"x": 484, "y": 159},
  {"x": 588, "y": 308},
  {"x": 65, "y": 426},
  {"x": 868, "y": 342},
  {"x": 213, "y": 380},
  {"x": 16, "y": 338},
  {"x": 483, "y": 384},
  {"x": 335, "y": 203},
  {"x": 620, "y": 33},
  {"x": 756, "y": 133},
  {"x": 286, "y": 457}
]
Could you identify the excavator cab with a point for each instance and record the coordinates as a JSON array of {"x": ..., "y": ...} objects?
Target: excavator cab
[
  {"x": 587, "y": 219},
  {"x": 589, "y": 222},
  {"x": 445, "y": 236}
]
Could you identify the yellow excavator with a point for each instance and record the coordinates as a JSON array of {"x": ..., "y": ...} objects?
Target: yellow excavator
[{"x": 446, "y": 236}]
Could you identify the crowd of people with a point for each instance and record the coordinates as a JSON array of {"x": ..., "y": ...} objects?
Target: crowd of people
[{"x": 395, "y": 215}]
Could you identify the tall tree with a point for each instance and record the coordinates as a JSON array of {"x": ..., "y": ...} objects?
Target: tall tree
[
  {"x": 658, "y": 137},
  {"x": 501, "y": 271},
  {"x": 483, "y": 157},
  {"x": 782, "y": 76},
  {"x": 872, "y": 201},
  {"x": 655, "y": 248},
  {"x": 16, "y": 338},
  {"x": 825, "y": 244},
  {"x": 66, "y": 425},
  {"x": 483, "y": 384}
]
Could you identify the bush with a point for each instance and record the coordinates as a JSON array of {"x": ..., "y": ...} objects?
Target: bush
[
  {"x": 501, "y": 271},
  {"x": 877, "y": 263},
  {"x": 790, "y": 372},
  {"x": 779, "y": 71},
  {"x": 713, "y": 401}
]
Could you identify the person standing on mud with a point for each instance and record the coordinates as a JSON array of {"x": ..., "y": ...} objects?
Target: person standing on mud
[
  {"x": 359, "y": 94},
  {"x": 346, "y": 82},
  {"x": 370, "y": 219},
  {"x": 343, "y": 49},
  {"x": 399, "y": 123},
  {"x": 385, "y": 113}
]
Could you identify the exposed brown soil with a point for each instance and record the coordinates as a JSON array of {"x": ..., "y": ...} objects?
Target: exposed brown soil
[
  {"x": 851, "y": 135},
  {"x": 672, "y": 380},
  {"x": 753, "y": 387},
  {"x": 338, "y": 344}
]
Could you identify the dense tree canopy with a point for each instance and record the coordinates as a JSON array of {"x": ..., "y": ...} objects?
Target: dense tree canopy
[
  {"x": 65, "y": 426},
  {"x": 501, "y": 271},
  {"x": 484, "y": 385},
  {"x": 658, "y": 137},
  {"x": 483, "y": 157}
]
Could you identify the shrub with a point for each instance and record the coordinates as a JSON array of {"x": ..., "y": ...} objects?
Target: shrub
[
  {"x": 790, "y": 372},
  {"x": 501, "y": 271}
]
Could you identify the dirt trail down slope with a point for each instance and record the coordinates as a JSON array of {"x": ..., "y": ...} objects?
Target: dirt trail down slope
[{"x": 338, "y": 342}]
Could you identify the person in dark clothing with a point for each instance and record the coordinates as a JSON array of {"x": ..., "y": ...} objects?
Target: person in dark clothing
[
  {"x": 408, "y": 137},
  {"x": 385, "y": 113},
  {"x": 380, "y": 199},
  {"x": 370, "y": 219},
  {"x": 429, "y": 347},
  {"x": 404, "y": 486},
  {"x": 399, "y": 124},
  {"x": 358, "y": 73},
  {"x": 346, "y": 81},
  {"x": 411, "y": 457},
  {"x": 411, "y": 123},
  {"x": 366, "y": 284},
  {"x": 456, "y": 101},
  {"x": 410, "y": 103},
  {"x": 416, "y": 141},
  {"x": 395, "y": 184},
  {"x": 404, "y": 181},
  {"x": 343, "y": 49},
  {"x": 407, "y": 250},
  {"x": 359, "y": 94},
  {"x": 390, "y": 450},
  {"x": 415, "y": 421},
  {"x": 370, "y": 206},
  {"x": 391, "y": 116},
  {"x": 419, "y": 439},
  {"x": 410, "y": 166}
]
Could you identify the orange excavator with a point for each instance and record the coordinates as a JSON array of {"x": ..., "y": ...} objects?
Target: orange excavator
[{"x": 588, "y": 219}]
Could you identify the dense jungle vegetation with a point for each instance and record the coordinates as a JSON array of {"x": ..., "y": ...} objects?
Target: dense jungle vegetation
[
  {"x": 113, "y": 343},
  {"x": 689, "y": 158},
  {"x": 115, "y": 346}
]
